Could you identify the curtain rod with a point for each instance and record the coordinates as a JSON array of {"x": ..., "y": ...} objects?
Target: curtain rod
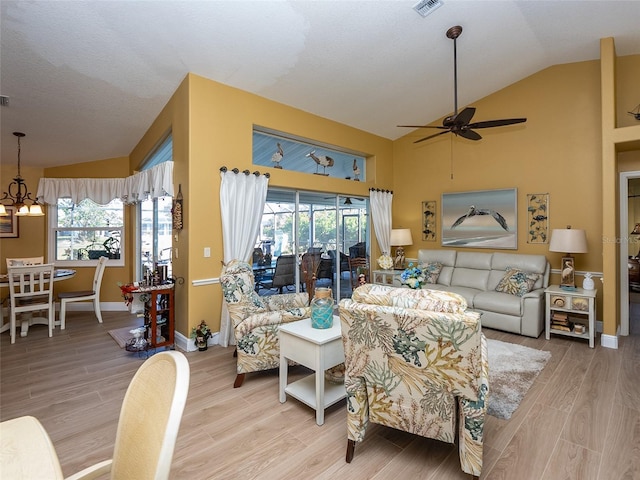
[
  {"x": 380, "y": 190},
  {"x": 246, "y": 172}
]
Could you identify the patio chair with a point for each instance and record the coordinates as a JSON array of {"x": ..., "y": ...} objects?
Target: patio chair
[
  {"x": 284, "y": 274},
  {"x": 357, "y": 266}
]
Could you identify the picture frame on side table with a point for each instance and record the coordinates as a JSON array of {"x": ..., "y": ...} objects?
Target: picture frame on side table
[{"x": 9, "y": 227}]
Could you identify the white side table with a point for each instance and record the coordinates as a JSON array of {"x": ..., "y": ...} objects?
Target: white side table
[
  {"x": 316, "y": 349},
  {"x": 579, "y": 305},
  {"x": 390, "y": 278}
]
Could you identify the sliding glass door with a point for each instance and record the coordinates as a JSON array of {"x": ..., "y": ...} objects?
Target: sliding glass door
[{"x": 325, "y": 225}]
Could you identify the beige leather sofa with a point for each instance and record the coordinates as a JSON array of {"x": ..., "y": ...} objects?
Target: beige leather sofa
[{"x": 476, "y": 275}]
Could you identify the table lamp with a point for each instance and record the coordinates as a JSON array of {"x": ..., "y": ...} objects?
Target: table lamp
[
  {"x": 568, "y": 240},
  {"x": 399, "y": 238}
]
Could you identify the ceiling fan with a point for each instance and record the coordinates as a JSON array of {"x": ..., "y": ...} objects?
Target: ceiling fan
[{"x": 458, "y": 123}]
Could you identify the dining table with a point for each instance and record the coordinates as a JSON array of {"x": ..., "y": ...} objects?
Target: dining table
[
  {"x": 59, "y": 274},
  {"x": 26, "y": 451}
]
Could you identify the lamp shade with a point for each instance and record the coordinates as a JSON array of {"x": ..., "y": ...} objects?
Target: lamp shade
[
  {"x": 568, "y": 240},
  {"x": 401, "y": 237}
]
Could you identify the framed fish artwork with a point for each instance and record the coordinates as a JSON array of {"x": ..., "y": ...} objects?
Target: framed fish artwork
[{"x": 538, "y": 218}]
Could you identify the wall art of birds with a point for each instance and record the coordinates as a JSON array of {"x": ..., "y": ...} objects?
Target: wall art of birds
[
  {"x": 356, "y": 171},
  {"x": 277, "y": 156},
  {"x": 321, "y": 160},
  {"x": 473, "y": 211}
]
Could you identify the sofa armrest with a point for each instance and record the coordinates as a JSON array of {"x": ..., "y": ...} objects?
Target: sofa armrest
[{"x": 537, "y": 293}]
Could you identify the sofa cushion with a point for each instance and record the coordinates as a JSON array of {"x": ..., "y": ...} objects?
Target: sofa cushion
[
  {"x": 517, "y": 282},
  {"x": 527, "y": 263},
  {"x": 447, "y": 258},
  {"x": 498, "y": 302},
  {"x": 472, "y": 270},
  {"x": 431, "y": 271}
]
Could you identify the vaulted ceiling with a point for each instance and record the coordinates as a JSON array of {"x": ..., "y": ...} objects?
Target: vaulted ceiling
[{"x": 86, "y": 78}]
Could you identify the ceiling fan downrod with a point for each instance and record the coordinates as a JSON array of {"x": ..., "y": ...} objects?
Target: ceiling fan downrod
[{"x": 453, "y": 33}]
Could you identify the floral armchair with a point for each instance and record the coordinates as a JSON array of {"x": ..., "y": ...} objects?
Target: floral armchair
[
  {"x": 255, "y": 319},
  {"x": 412, "y": 357}
]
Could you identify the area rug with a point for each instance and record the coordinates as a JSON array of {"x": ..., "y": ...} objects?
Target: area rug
[
  {"x": 512, "y": 370},
  {"x": 121, "y": 335}
]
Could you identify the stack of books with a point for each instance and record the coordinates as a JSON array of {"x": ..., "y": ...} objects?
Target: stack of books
[{"x": 560, "y": 321}]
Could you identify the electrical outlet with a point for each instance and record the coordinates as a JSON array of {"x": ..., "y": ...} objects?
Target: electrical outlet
[{"x": 207, "y": 252}]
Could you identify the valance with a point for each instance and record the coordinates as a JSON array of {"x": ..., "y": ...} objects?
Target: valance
[{"x": 152, "y": 183}]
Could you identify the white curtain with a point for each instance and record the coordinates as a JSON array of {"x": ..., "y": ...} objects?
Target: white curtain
[
  {"x": 242, "y": 199},
  {"x": 154, "y": 182},
  {"x": 381, "y": 214}
]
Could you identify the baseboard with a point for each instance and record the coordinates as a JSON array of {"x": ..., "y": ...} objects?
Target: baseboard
[
  {"x": 189, "y": 345},
  {"x": 609, "y": 341}
]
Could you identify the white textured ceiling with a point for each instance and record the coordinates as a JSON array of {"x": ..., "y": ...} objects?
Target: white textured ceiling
[{"x": 87, "y": 78}]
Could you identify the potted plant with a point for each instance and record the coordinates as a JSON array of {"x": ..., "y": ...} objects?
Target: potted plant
[{"x": 201, "y": 335}]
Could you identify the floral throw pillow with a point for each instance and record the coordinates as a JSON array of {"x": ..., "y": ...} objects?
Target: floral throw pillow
[
  {"x": 431, "y": 271},
  {"x": 517, "y": 282}
]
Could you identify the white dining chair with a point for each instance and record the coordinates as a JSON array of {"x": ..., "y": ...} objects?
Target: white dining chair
[
  {"x": 16, "y": 262},
  {"x": 84, "y": 295},
  {"x": 31, "y": 290}
]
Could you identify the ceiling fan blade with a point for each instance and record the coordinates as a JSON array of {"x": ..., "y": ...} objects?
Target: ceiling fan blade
[
  {"x": 423, "y": 126},
  {"x": 464, "y": 117},
  {"x": 470, "y": 134},
  {"x": 497, "y": 123},
  {"x": 431, "y": 136}
]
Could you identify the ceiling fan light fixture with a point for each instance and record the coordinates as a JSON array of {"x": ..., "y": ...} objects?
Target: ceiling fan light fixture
[{"x": 426, "y": 7}]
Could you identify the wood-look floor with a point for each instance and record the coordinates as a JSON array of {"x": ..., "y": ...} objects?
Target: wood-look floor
[{"x": 580, "y": 420}]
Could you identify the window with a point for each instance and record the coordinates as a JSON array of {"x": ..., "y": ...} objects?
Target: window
[
  {"x": 154, "y": 220},
  {"x": 154, "y": 231},
  {"x": 289, "y": 152},
  {"x": 82, "y": 233}
]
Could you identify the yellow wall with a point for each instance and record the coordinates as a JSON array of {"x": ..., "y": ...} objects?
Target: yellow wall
[{"x": 557, "y": 151}]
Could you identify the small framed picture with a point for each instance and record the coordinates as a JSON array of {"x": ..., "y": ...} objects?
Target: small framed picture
[
  {"x": 9, "y": 224},
  {"x": 568, "y": 273},
  {"x": 558, "y": 301}
]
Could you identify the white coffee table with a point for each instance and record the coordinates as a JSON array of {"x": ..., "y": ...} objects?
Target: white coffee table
[{"x": 316, "y": 349}]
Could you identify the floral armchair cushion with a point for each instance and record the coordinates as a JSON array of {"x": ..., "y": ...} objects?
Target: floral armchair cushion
[
  {"x": 407, "y": 368},
  {"x": 255, "y": 319}
]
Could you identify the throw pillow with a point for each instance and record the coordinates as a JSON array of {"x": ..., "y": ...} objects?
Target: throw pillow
[
  {"x": 431, "y": 271},
  {"x": 517, "y": 282}
]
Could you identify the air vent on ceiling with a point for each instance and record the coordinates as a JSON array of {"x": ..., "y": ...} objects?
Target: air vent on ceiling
[
  {"x": 4, "y": 101},
  {"x": 425, "y": 7}
]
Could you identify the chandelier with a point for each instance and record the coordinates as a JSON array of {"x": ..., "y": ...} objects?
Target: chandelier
[{"x": 18, "y": 193}]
